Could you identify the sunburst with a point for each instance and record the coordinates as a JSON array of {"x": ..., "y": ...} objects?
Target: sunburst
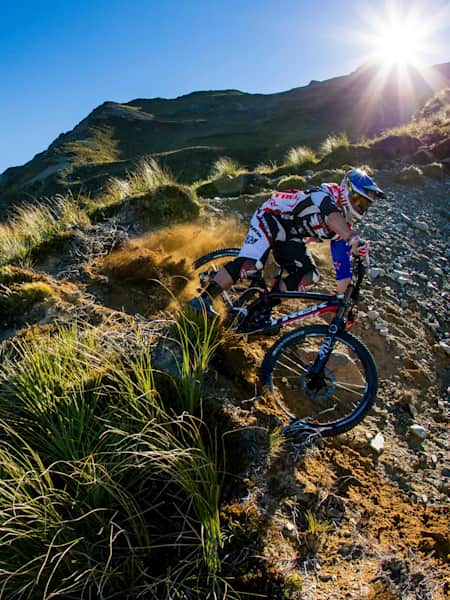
[{"x": 401, "y": 37}]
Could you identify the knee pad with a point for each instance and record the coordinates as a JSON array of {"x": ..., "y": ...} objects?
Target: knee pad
[
  {"x": 238, "y": 267},
  {"x": 294, "y": 279}
]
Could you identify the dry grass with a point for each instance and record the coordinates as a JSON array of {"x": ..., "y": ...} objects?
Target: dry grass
[
  {"x": 32, "y": 225},
  {"x": 148, "y": 176},
  {"x": 332, "y": 142},
  {"x": 300, "y": 155}
]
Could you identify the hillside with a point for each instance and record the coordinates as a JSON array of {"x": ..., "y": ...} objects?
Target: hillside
[
  {"x": 139, "y": 457},
  {"x": 188, "y": 133}
]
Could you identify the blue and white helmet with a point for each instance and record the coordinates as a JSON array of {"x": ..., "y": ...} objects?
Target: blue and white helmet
[{"x": 358, "y": 191}]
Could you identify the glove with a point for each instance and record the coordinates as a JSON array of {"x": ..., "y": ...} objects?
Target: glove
[
  {"x": 358, "y": 247},
  {"x": 362, "y": 249}
]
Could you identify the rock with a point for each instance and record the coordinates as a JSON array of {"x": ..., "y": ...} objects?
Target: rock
[
  {"x": 445, "y": 347},
  {"x": 376, "y": 272},
  {"x": 406, "y": 218},
  {"x": 442, "y": 149},
  {"x": 409, "y": 175},
  {"x": 418, "y": 431},
  {"x": 373, "y": 315},
  {"x": 421, "y": 225},
  {"x": 377, "y": 443},
  {"x": 423, "y": 156}
]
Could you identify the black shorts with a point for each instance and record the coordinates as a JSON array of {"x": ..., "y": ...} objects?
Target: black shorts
[{"x": 294, "y": 257}]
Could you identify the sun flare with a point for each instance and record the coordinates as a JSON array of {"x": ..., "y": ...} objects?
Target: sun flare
[
  {"x": 400, "y": 34},
  {"x": 402, "y": 40}
]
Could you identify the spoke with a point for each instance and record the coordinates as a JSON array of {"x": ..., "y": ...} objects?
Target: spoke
[
  {"x": 293, "y": 360},
  {"x": 344, "y": 377},
  {"x": 351, "y": 388},
  {"x": 293, "y": 368}
]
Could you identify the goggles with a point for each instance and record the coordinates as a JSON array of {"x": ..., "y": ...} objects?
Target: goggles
[{"x": 361, "y": 203}]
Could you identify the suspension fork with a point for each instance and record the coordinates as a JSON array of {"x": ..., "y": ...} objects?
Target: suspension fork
[{"x": 337, "y": 325}]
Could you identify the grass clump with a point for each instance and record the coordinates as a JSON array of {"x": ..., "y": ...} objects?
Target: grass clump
[
  {"x": 107, "y": 488},
  {"x": 18, "y": 299},
  {"x": 293, "y": 182},
  {"x": 300, "y": 156},
  {"x": 225, "y": 166},
  {"x": 333, "y": 142},
  {"x": 410, "y": 175},
  {"x": 33, "y": 225},
  {"x": 148, "y": 176}
]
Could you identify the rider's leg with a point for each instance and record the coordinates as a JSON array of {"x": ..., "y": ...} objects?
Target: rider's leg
[
  {"x": 255, "y": 248},
  {"x": 299, "y": 280},
  {"x": 295, "y": 258},
  {"x": 227, "y": 275}
]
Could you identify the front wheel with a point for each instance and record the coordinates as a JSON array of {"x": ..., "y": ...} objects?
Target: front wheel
[{"x": 332, "y": 402}]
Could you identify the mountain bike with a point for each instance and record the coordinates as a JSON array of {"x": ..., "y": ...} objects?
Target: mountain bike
[{"x": 323, "y": 378}]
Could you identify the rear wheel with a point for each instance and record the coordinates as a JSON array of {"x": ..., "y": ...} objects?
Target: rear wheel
[
  {"x": 207, "y": 266},
  {"x": 332, "y": 402}
]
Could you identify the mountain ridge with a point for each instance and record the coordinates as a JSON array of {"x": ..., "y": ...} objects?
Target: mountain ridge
[{"x": 191, "y": 131}]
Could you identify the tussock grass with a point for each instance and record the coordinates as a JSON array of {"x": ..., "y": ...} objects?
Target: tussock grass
[
  {"x": 33, "y": 225},
  {"x": 300, "y": 155},
  {"x": 332, "y": 142},
  {"x": 18, "y": 298},
  {"x": 148, "y": 176},
  {"x": 107, "y": 487},
  {"x": 224, "y": 166}
]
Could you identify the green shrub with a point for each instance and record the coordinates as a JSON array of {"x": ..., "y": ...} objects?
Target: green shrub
[
  {"x": 294, "y": 182},
  {"x": 172, "y": 202}
]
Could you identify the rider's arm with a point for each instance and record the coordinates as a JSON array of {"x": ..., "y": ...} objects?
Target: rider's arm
[{"x": 337, "y": 223}]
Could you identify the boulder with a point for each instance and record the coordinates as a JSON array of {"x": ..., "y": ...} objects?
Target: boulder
[
  {"x": 423, "y": 156},
  {"x": 396, "y": 146}
]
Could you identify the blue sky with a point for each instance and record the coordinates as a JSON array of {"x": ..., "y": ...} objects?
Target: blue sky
[{"x": 60, "y": 59}]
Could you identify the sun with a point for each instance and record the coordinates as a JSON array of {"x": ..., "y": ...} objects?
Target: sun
[
  {"x": 400, "y": 33},
  {"x": 401, "y": 40},
  {"x": 400, "y": 45}
]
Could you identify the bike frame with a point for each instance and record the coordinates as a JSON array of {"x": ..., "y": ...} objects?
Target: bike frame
[
  {"x": 341, "y": 305},
  {"x": 327, "y": 304}
]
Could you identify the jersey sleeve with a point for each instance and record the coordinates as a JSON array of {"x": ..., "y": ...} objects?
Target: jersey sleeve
[{"x": 325, "y": 203}]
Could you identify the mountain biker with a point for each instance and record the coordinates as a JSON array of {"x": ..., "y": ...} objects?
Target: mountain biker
[{"x": 290, "y": 219}]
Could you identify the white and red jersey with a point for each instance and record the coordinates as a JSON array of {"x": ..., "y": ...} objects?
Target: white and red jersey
[
  {"x": 304, "y": 213},
  {"x": 292, "y": 216}
]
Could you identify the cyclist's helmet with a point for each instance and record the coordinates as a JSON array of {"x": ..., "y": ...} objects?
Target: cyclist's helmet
[{"x": 358, "y": 191}]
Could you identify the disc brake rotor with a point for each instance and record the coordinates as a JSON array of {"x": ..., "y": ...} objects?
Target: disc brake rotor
[{"x": 325, "y": 387}]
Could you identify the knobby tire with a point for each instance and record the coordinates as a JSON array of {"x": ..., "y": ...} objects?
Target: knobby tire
[{"x": 284, "y": 373}]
